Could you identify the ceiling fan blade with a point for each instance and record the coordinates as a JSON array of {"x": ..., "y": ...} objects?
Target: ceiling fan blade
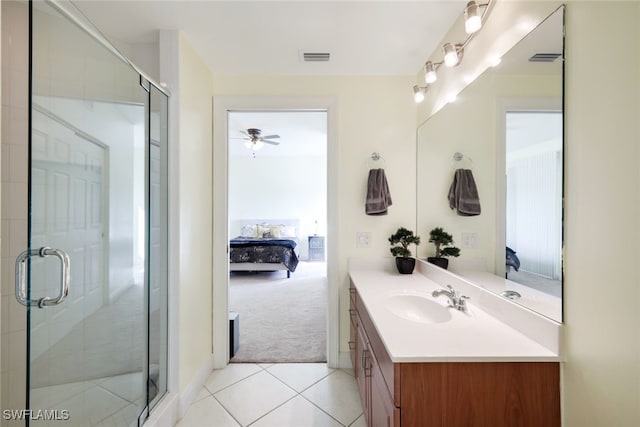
[
  {"x": 244, "y": 133},
  {"x": 271, "y": 137},
  {"x": 271, "y": 142}
]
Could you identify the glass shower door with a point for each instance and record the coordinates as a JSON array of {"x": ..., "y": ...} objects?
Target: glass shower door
[{"x": 86, "y": 296}]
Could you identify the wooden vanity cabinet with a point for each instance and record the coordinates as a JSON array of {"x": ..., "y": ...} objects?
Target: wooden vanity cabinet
[
  {"x": 448, "y": 394},
  {"x": 379, "y": 408}
]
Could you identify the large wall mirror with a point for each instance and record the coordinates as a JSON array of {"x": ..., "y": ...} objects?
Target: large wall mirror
[{"x": 507, "y": 128}]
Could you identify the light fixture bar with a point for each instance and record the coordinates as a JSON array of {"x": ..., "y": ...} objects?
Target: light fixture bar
[{"x": 453, "y": 53}]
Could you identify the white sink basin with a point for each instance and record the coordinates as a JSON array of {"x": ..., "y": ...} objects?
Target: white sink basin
[{"x": 418, "y": 309}]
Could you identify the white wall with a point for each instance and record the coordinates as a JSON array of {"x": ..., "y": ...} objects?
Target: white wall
[
  {"x": 601, "y": 374},
  {"x": 375, "y": 114},
  {"x": 270, "y": 187}
]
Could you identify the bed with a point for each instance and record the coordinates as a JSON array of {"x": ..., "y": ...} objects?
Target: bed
[{"x": 264, "y": 246}]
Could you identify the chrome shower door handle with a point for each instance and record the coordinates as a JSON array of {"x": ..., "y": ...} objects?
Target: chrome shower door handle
[{"x": 21, "y": 277}]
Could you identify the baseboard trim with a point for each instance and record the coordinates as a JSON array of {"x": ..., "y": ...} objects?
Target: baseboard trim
[
  {"x": 166, "y": 413},
  {"x": 193, "y": 389},
  {"x": 345, "y": 360}
]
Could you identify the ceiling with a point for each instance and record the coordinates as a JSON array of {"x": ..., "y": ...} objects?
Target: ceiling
[
  {"x": 267, "y": 37},
  {"x": 302, "y": 133}
]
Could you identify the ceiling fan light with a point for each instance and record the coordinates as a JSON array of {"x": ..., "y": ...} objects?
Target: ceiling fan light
[
  {"x": 257, "y": 144},
  {"x": 472, "y": 18},
  {"x": 451, "y": 58},
  {"x": 430, "y": 75}
]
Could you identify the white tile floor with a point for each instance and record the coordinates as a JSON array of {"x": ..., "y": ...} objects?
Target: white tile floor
[
  {"x": 106, "y": 402},
  {"x": 278, "y": 395}
]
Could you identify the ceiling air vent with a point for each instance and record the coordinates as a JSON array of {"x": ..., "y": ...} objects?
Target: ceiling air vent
[
  {"x": 544, "y": 57},
  {"x": 315, "y": 56}
]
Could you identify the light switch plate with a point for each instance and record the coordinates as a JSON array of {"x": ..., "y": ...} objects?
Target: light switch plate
[
  {"x": 363, "y": 239},
  {"x": 469, "y": 240}
]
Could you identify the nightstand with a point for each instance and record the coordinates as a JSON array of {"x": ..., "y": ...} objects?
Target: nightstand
[{"x": 316, "y": 248}]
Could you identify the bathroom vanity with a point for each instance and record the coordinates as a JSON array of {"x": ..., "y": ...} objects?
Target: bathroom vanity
[{"x": 419, "y": 363}]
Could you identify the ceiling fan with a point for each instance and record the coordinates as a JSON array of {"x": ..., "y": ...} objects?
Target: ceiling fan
[{"x": 255, "y": 140}]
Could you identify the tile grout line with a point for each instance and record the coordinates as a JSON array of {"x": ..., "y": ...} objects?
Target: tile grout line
[
  {"x": 232, "y": 384},
  {"x": 300, "y": 394},
  {"x": 297, "y": 393},
  {"x": 227, "y": 411}
]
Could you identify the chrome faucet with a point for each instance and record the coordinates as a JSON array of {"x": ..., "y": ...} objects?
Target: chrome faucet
[{"x": 457, "y": 301}]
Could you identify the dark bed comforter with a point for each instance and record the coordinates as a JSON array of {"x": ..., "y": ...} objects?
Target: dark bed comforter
[{"x": 265, "y": 250}]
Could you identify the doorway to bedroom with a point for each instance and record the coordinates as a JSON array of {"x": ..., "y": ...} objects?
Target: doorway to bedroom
[{"x": 277, "y": 218}]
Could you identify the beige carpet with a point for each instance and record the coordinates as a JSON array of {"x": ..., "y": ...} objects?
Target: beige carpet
[{"x": 281, "y": 320}]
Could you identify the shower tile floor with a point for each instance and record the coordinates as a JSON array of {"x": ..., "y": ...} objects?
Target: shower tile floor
[
  {"x": 278, "y": 395},
  {"x": 105, "y": 402}
]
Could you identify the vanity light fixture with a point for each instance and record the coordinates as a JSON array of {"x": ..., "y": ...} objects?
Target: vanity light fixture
[
  {"x": 473, "y": 17},
  {"x": 418, "y": 93},
  {"x": 430, "y": 75},
  {"x": 452, "y": 54}
]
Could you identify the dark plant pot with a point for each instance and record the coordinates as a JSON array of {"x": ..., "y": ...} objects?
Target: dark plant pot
[
  {"x": 440, "y": 262},
  {"x": 405, "y": 265}
]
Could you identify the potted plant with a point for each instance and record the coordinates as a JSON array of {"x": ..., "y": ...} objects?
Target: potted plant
[
  {"x": 442, "y": 241},
  {"x": 400, "y": 241}
]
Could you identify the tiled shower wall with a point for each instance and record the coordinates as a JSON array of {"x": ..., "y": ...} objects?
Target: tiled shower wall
[{"x": 15, "y": 104}]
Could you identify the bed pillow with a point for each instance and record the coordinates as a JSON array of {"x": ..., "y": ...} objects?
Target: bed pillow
[
  {"x": 275, "y": 231},
  {"x": 288, "y": 231},
  {"x": 264, "y": 230},
  {"x": 249, "y": 230}
]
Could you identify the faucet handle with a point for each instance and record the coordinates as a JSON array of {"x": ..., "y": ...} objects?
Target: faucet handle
[
  {"x": 453, "y": 291},
  {"x": 462, "y": 303}
]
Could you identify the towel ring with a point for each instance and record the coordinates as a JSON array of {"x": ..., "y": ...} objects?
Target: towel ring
[
  {"x": 458, "y": 156},
  {"x": 376, "y": 157}
]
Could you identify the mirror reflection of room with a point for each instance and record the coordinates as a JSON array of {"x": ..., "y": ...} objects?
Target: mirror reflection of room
[
  {"x": 534, "y": 199},
  {"x": 506, "y": 127}
]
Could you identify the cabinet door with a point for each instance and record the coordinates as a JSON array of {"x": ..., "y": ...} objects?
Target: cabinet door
[
  {"x": 353, "y": 321},
  {"x": 382, "y": 408},
  {"x": 362, "y": 369}
]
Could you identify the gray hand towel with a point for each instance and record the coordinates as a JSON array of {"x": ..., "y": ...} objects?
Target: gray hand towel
[
  {"x": 463, "y": 194},
  {"x": 378, "y": 195}
]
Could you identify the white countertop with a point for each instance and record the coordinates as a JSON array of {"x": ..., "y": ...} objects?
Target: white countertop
[{"x": 472, "y": 337}]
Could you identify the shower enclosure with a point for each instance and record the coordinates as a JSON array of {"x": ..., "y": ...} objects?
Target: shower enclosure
[{"x": 92, "y": 278}]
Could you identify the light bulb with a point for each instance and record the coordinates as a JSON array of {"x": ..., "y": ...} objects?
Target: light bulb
[
  {"x": 258, "y": 144},
  {"x": 472, "y": 18},
  {"x": 450, "y": 55},
  {"x": 430, "y": 75},
  {"x": 418, "y": 94}
]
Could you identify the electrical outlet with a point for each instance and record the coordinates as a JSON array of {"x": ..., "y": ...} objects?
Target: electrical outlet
[
  {"x": 469, "y": 240},
  {"x": 363, "y": 239}
]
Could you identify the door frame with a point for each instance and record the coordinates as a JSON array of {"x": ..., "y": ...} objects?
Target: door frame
[{"x": 221, "y": 106}]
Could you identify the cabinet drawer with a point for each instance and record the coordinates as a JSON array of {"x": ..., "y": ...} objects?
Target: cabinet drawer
[{"x": 390, "y": 371}]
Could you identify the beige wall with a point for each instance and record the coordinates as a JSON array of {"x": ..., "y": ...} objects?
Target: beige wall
[
  {"x": 195, "y": 118},
  {"x": 443, "y": 134},
  {"x": 374, "y": 114},
  {"x": 601, "y": 374}
]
